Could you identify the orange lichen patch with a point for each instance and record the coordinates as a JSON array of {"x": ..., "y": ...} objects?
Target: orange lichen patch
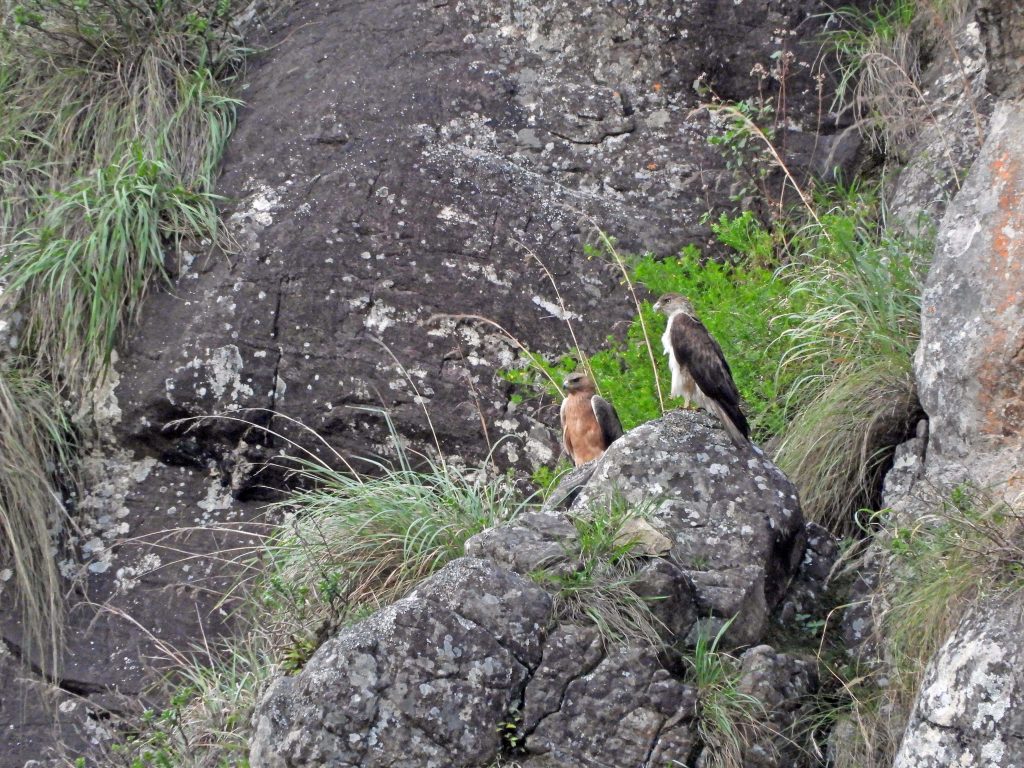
[
  {"x": 652, "y": 166},
  {"x": 656, "y": 87},
  {"x": 1001, "y": 375}
]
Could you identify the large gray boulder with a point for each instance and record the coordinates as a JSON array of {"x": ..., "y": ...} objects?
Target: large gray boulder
[
  {"x": 732, "y": 516},
  {"x": 626, "y": 710},
  {"x": 970, "y": 710},
  {"x": 424, "y": 682}
]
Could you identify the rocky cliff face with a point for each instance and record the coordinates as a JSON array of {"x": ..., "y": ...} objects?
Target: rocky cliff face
[
  {"x": 402, "y": 163},
  {"x": 399, "y": 163}
]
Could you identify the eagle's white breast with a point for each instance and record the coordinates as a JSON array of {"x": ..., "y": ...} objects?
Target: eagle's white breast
[{"x": 683, "y": 384}]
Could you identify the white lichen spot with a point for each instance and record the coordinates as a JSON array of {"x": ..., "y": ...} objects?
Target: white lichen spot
[{"x": 554, "y": 309}]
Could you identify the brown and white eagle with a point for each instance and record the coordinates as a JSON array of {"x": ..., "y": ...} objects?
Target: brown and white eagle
[
  {"x": 589, "y": 422},
  {"x": 699, "y": 370}
]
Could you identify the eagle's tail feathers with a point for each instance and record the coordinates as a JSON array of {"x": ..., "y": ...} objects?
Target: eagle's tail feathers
[{"x": 734, "y": 421}]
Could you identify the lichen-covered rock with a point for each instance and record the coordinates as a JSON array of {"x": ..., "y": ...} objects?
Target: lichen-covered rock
[
  {"x": 536, "y": 540},
  {"x": 398, "y": 162},
  {"x": 806, "y": 597},
  {"x": 947, "y": 121},
  {"x": 626, "y": 710},
  {"x": 733, "y": 518},
  {"x": 424, "y": 682},
  {"x": 1002, "y": 29},
  {"x": 970, "y": 709},
  {"x": 969, "y": 364}
]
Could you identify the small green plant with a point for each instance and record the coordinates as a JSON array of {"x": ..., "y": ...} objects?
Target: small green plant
[
  {"x": 546, "y": 479},
  {"x": 728, "y": 719},
  {"x": 510, "y": 733},
  {"x": 598, "y": 588},
  {"x": 744, "y": 129}
]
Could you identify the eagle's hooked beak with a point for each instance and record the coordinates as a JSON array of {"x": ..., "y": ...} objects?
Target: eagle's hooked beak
[{"x": 565, "y": 384}]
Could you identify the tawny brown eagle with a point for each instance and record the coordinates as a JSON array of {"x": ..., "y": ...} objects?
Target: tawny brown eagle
[
  {"x": 589, "y": 422},
  {"x": 699, "y": 369}
]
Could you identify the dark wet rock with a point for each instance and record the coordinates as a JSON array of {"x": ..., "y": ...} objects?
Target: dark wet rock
[
  {"x": 970, "y": 709},
  {"x": 732, "y": 516},
  {"x": 424, "y": 682},
  {"x": 398, "y": 161}
]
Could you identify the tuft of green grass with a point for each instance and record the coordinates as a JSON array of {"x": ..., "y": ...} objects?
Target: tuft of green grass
[
  {"x": 113, "y": 118},
  {"x": 847, "y": 359},
  {"x": 81, "y": 274},
  {"x": 211, "y": 694},
  {"x": 878, "y": 57},
  {"x": 370, "y": 539},
  {"x": 728, "y": 719},
  {"x": 935, "y": 568},
  {"x": 599, "y": 590},
  {"x": 971, "y": 547},
  {"x": 34, "y": 447}
]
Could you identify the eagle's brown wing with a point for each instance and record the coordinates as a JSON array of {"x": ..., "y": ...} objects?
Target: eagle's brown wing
[
  {"x": 607, "y": 419},
  {"x": 698, "y": 352}
]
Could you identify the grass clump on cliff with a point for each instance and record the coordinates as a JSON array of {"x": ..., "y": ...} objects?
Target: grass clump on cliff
[
  {"x": 33, "y": 448},
  {"x": 113, "y": 117},
  {"x": 598, "y": 585},
  {"x": 729, "y": 720},
  {"x": 370, "y": 539},
  {"x": 851, "y": 344}
]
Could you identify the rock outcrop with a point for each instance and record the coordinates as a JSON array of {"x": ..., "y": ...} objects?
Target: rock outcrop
[
  {"x": 397, "y": 161},
  {"x": 970, "y": 710},
  {"x": 430, "y": 679},
  {"x": 424, "y": 682},
  {"x": 970, "y": 363}
]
